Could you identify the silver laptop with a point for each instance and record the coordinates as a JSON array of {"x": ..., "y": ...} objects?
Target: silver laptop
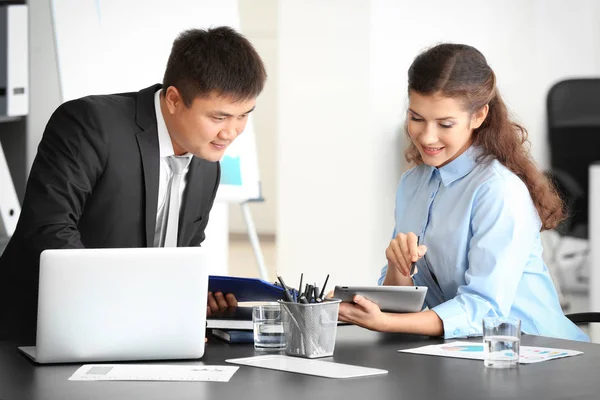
[{"x": 121, "y": 304}]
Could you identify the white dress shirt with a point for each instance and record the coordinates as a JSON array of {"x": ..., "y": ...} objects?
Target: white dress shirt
[{"x": 165, "y": 150}]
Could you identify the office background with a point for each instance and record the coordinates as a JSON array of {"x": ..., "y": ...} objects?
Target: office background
[{"x": 329, "y": 123}]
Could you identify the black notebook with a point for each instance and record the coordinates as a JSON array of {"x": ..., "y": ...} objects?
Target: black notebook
[
  {"x": 234, "y": 336},
  {"x": 239, "y": 318}
]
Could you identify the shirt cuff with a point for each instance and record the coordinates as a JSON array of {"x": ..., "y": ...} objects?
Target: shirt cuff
[{"x": 455, "y": 319}]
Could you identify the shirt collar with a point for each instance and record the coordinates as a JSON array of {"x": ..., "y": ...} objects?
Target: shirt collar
[
  {"x": 460, "y": 166},
  {"x": 165, "y": 146}
]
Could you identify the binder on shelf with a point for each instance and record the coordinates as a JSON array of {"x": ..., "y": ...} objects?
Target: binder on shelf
[
  {"x": 10, "y": 209},
  {"x": 14, "y": 73}
]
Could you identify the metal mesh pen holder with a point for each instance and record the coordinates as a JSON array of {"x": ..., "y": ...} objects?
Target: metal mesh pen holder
[{"x": 310, "y": 329}]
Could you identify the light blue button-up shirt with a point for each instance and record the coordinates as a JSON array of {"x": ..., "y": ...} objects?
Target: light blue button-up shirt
[{"x": 484, "y": 251}]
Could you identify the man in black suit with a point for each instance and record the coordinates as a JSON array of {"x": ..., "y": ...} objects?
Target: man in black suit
[{"x": 132, "y": 169}]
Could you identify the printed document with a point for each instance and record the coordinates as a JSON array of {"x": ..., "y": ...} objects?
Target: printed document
[{"x": 139, "y": 372}]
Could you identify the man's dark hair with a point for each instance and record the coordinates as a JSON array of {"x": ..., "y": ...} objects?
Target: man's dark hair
[{"x": 217, "y": 60}]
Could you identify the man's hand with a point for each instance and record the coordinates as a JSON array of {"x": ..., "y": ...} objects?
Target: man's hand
[{"x": 218, "y": 302}]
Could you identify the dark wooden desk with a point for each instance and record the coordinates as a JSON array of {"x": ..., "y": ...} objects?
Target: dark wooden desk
[{"x": 410, "y": 376}]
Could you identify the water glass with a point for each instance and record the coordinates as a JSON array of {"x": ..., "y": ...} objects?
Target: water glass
[
  {"x": 268, "y": 329},
  {"x": 501, "y": 342}
]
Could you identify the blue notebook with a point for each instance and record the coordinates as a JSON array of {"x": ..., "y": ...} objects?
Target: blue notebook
[{"x": 245, "y": 289}]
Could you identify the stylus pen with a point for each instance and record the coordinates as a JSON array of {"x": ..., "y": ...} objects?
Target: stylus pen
[
  {"x": 286, "y": 293},
  {"x": 322, "y": 294},
  {"x": 414, "y": 265}
]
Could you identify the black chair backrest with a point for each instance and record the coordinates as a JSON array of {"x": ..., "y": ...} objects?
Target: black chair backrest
[
  {"x": 573, "y": 108},
  {"x": 584, "y": 318}
]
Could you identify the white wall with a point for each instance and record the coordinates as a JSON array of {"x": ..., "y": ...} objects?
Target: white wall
[
  {"x": 530, "y": 44},
  {"x": 567, "y": 35},
  {"x": 342, "y": 100},
  {"x": 258, "y": 19},
  {"x": 44, "y": 90},
  {"x": 329, "y": 181}
]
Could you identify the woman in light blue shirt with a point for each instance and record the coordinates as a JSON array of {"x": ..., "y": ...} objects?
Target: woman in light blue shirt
[{"x": 477, "y": 201}]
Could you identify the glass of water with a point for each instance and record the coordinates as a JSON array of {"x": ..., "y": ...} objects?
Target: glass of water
[
  {"x": 268, "y": 328},
  {"x": 501, "y": 341}
]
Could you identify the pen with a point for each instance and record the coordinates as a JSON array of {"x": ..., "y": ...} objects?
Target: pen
[
  {"x": 309, "y": 293},
  {"x": 300, "y": 285},
  {"x": 306, "y": 290},
  {"x": 413, "y": 267},
  {"x": 322, "y": 294},
  {"x": 317, "y": 297},
  {"x": 286, "y": 293}
]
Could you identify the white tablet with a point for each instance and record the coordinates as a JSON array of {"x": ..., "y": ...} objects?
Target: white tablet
[{"x": 401, "y": 299}]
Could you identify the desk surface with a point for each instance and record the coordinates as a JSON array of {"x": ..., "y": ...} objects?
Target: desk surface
[{"x": 411, "y": 376}]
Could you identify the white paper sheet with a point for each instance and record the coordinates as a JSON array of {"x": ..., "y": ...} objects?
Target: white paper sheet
[
  {"x": 474, "y": 350},
  {"x": 306, "y": 366},
  {"x": 140, "y": 372}
]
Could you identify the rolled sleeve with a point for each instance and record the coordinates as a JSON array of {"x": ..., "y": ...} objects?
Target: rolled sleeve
[{"x": 455, "y": 318}]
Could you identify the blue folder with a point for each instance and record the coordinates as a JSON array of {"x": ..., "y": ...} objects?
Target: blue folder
[{"x": 245, "y": 289}]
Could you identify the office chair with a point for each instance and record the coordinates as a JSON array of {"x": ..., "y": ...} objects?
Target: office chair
[
  {"x": 573, "y": 108},
  {"x": 573, "y": 117},
  {"x": 584, "y": 318}
]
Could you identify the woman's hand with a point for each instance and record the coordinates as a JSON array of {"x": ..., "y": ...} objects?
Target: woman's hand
[
  {"x": 219, "y": 302},
  {"x": 364, "y": 313},
  {"x": 403, "y": 251}
]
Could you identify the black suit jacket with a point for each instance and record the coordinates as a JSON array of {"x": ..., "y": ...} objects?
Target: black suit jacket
[{"x": 94, "y": 184}]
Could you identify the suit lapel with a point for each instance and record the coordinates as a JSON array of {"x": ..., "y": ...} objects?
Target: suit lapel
[
  {"x": 148, "y": 143},
  {"x": 189, "y": 207}
]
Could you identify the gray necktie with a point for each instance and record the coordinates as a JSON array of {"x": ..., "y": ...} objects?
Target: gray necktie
[{"x": 177, "y": 165}]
